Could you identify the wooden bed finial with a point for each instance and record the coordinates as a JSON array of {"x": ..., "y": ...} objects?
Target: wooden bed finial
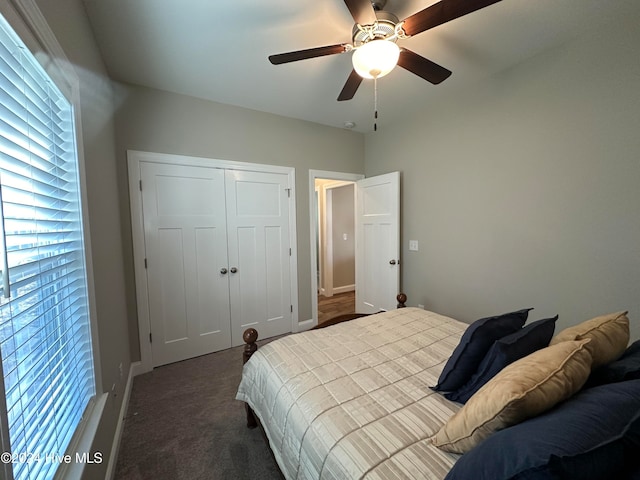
[
  {"x": 402, "y": 298},
  {"x": 249, "y": 336}
]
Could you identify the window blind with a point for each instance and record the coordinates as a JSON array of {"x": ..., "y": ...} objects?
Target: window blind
[{"x": 45, "y": 338}]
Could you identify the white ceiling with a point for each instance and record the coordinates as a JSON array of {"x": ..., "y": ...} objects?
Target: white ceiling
[{"x": 218, "y": 49}]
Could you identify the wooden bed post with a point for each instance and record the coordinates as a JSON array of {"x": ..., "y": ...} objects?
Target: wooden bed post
[{"x": 249, "y": 336}]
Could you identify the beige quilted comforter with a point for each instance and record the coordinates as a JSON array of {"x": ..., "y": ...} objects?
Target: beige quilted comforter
[{"x": 353, "y": 400}]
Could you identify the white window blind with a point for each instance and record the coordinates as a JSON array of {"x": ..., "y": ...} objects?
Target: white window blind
[{"x": 45, "y": 338}]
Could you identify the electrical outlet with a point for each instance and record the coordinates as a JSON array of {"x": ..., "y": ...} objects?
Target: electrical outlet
[
  {"x": 413, "y": 245},
  {"x": 121, "y": 371},
  {"x": 421, "y": 306}
]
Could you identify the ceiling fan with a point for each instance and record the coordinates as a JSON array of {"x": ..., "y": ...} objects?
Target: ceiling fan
[{"x": 374, "y": 37}]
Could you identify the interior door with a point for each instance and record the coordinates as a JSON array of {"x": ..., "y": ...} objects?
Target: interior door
[
  {"x": 259, "y": 253},
  {"x": 186, "y": 250},
  {"x": 377, "y": 243}
]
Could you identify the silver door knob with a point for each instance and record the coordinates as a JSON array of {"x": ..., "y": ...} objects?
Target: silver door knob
[
  {"x": 223, "y": 271},
  {"x": 234, "y": 269},
  {"x": 392, "y": 262}
]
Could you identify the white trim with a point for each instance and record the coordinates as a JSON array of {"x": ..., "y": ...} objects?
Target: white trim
[
  {"x": 134, "y": 159},
  {"x": 115, "y": 446},
  {"x": 327, "y": 236},
  {"x": 307, "y": 324},
  {"x": 83, "y": 441},
  {"x": 313, "y": 175},
  {"x": 45, "y": 47},
  {"x": 293, "y": 241},
  {"x": 136, "y": 369},
  {"x": 186, "y": 160},
  {"x": 316, "y": 271},
  {"x": 137, "y": 233},
  {"x": 337, "y": 184},
  {"x": 344, "y": 289}
]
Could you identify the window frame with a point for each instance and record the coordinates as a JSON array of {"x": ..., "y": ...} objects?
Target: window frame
[{"x": 27, "y": 21}]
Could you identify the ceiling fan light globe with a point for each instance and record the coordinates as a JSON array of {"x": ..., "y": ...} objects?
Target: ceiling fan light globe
[{"x": 375, "y": 58}]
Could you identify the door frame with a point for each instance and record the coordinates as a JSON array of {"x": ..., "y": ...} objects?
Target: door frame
[
  {"x": 134, "y": 158},
  {"x": 313, "y": 232}
]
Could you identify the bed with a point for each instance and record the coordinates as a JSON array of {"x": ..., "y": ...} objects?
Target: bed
[{"x": 356, "y": 400}]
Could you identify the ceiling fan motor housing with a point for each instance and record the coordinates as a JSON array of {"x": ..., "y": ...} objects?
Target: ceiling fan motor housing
[{"x": 383, "y": 28}]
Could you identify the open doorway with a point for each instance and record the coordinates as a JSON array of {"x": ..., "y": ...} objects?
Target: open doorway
[
  {"x": 335, "y": 248},
  {"x": 332, "y": 206}
]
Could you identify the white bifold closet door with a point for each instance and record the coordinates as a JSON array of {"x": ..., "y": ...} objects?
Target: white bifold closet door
[
  {"x": 259, "y": 253},
  {"x": 216, "y": 247}
]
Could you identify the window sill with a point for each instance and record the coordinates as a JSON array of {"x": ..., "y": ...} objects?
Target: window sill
[{"x": 79, "y": 453}]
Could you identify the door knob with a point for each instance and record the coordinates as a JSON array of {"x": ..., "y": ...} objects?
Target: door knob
[
  {"x": 234, "y": 269},
  {"x": 223, "y": 271},
  {"x": 392, "y": 262}
]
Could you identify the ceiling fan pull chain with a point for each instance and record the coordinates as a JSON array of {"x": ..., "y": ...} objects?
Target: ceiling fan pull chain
[{"x": 375, "y": 104}]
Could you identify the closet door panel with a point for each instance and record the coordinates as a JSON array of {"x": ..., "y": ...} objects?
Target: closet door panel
[
  {"x": 258, "y": 229},
  {"x": 186, "y": 249}
]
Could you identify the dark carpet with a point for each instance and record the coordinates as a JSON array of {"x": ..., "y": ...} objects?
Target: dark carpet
[{"x": 183, "y": 423}]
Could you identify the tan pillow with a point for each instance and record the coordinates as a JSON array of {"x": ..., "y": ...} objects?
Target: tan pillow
[
  {"x": 521, "y": 390},
  {"x": 609, "y": 336}
]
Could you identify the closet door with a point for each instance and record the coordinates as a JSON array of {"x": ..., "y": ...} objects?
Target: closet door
[
  {"x": 186, "y": 255},
  {"x": 259, "y": 253}
]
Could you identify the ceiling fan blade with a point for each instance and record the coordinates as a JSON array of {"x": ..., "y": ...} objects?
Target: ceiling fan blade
[
  {"x": 442, "y": 12},
  {"x": 362, "y": 11},
  {"x": 281, "y": 58},
  {"x": 431, "y": 72},
  {"x": 350, "y": 87}
]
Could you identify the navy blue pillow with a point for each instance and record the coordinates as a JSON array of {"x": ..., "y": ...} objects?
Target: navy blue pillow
[
  {"x": 601, "y": 420},
  {"x": 473, "y": 346},
  {"x": 507, "y": 350},
  {"x": 627, "y": 367},
  {"x": 598, "y": 462}
]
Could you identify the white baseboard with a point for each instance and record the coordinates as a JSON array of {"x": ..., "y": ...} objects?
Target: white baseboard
[
  {"x": 137, "y": 368},
  {"x": 306, "y": 325},
  {"x": 134, "y": 369},
  {"x": 344, "y": 289}
]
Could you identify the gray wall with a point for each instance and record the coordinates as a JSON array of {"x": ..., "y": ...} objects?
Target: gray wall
[
  {"x": 156, "y": 121},
  {"x": 525, "y": 191},
  {"x": 68, "y": 21},
  {"x": 344, "y": 255}
]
